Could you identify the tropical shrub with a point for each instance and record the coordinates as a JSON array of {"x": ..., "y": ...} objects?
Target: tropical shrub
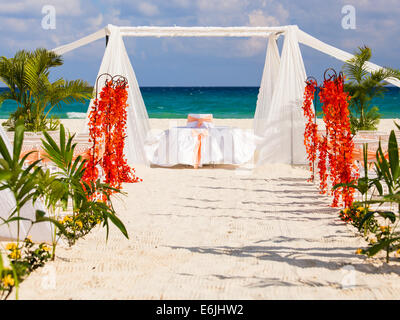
[
  {"x": 363, "y": 86},
  {"x": 380, "y": 226},
  {"x": 22, "y": 182},
  {"x": 57, "y": 190},
  {"x": 27, "y": 76},
  {"x": 69, "y": 187}
]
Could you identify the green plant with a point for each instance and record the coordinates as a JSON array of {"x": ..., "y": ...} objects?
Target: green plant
[
  {"x": 57, "y": 190},
  {"x": 22, "y": 182},
  {"x": 363, "y": 87},
  {"x": 24, "y": 258},
  {"x": 27, "y": 77},
  {"x": 80, "y": 225},
  {"x": 8, "y": 280},
  {"x": 69, "y": 187},
  {"x": 356, "y": 213},
  {"x": 387, "y": 235}
]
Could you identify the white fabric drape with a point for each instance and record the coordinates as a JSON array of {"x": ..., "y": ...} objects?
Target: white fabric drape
[
  {"x": 344, "y": 56},
  {"x": 40, "y": 232},
  {"x": 81, "y": 42},
  {"x": 268, "y": 81},
  {"x": 285, "y": 123},
  {"x": 116, "y": 62}
]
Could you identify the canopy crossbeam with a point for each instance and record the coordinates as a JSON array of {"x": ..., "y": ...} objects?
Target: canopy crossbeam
[{"x": 200, "y": 31}]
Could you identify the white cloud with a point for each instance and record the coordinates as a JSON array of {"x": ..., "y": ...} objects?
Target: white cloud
[
  {"x": 257, "y": 18},
  {"x": 96, "y": 22},
  {"x": 15, "y": 24},
  {"x": 148, "y": 9},
  {"x": 34, "y": 8}
]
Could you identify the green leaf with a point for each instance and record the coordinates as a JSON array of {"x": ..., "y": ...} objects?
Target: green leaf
[
  {"x": 367, "y": 217},
  {"x": 118, "y": 223},
  {"x": 378, "y": 186},
  {"x": 18, "y": 141},
  {"x": 393, "y": 155},
  {"x": 12, "y": 219},
  {"x": 373, "y": 250},
  {"x": 4, "y": 151},
  {"x": 40, "y": 217},
  {"x": 62, "y": 139},
  {"x": 381, "y": 245},
  {"x": 5, "y": 174},
  {"x": 387, "y": 215}
]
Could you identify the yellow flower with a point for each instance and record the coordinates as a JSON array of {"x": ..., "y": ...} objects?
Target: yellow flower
[
  {"x": 398, "y": 252},
  {"x": 359, "y": 251},
  {"x": 346, "y": 211},
  {"x": 361, "y": 209},
  {"x": 67, "y": 218},
  {"x": 372, "y": 241},
  {"x": 8, "y": 281},
  {"x": 79, "y": 224},
  {"x": 11, "y": 246},
  {"x": 46, "y": 248},
  {"x": 384, "y": 229},
  {"x": 28, "y": 239},
  {"x": 16, "y": 254},
  {"x": 98, "y": 221}
]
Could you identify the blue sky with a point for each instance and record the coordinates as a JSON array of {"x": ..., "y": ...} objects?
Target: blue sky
[{"x": 199, "y": 61}]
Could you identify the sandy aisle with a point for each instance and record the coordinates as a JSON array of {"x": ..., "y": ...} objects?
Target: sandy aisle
[{"x": 219, "y": 234}]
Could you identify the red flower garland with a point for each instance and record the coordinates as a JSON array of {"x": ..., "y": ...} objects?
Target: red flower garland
[
  {"x": 311, "y": 131},
  {"x": 336, "y": 147},
  {"x": 107, "y": 133},
  {"x": 340, "y": 143}
]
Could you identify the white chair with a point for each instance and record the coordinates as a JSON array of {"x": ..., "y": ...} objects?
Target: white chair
[{"x": 200, "y": 120}]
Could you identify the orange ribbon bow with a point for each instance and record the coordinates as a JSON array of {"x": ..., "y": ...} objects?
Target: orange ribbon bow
[{"x": 200, "y": 121}]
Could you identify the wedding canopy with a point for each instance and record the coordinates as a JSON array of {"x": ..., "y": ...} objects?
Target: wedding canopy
[{"x": 278, "y": 117}]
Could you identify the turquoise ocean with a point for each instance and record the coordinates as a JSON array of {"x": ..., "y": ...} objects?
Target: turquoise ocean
[{"x": 222, "y": 102}]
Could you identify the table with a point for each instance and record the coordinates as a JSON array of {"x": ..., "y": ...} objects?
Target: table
[{"x": 199, "y": 146}]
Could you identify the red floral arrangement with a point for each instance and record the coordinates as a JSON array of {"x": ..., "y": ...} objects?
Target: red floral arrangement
[
  {"x": 337, "y": 121},
  {"x": 107, "y": 125},
  {"x": 335, "y": 149},
  {"x": 311, "y": 130}
]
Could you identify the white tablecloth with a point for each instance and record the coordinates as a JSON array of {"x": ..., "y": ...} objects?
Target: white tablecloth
[{"x": 219, "y": 145}]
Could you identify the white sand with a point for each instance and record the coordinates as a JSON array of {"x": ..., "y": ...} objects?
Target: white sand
[{"x": 219, "y": 234}]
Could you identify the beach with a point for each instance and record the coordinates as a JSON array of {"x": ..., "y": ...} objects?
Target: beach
[{"x": 219, "y": 233}]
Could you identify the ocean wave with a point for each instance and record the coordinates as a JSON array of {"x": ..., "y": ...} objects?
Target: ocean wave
[{"x": 76, "y": 115}]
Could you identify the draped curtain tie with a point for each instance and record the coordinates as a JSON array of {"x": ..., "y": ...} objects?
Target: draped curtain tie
[{"x": 197, "y": 147}]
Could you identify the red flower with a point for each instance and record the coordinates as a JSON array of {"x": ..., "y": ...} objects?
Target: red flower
[
  {"x": 311, "y": 130},
  {"x": 335, "y": 149},
  {"x": 107, "y": 132}
]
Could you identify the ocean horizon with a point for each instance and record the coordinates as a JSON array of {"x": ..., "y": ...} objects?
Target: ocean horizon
[{"x": 222, "y": 102}]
